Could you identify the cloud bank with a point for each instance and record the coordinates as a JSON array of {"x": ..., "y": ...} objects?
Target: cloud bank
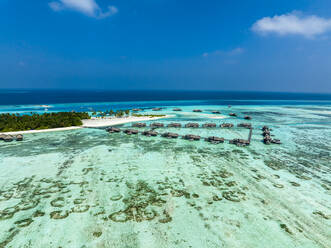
[
  {"x": 87, "y": 7},
  {"x": 293, "y": 24}
]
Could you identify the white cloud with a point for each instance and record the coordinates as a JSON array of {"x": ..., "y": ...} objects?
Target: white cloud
[
  {"x": 236, "y": 51},
  {"x": 293, "y": 24},
  {"x": 233, "y": 52},
  {"x": 112, "y": 10},
  {"x": 87, "y": 7}
]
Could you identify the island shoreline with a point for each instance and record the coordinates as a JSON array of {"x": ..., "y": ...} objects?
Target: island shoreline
[{"x": 91, "y": 123}]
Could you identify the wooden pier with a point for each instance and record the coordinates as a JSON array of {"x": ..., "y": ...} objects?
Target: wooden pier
[
  {"x": 250, "y": 134},
  {"x": 212, "y": 139}
]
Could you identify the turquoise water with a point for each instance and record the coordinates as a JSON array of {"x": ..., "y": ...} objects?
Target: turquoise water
[{"x": 88, "y": 188}]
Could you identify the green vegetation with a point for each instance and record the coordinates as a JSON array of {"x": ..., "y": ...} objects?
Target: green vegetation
[
  {"x": 117, "y": 113},
  {"x": 16, "y": 122},
  {"x": 146, "y": 115},
  {"x": 120, "y": 113}
]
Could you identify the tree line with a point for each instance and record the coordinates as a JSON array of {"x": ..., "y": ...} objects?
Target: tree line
[
  {"x": 117, "y": 113},
  {"x": 17, "y": 122}
]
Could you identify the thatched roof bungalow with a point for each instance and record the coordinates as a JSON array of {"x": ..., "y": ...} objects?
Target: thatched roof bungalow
[
  {"x": 170, "y": 135},
  {"x": 8, "y": 138},
  {"x": 174, "y": 125},
  {"x": 131, "y": 131},
  {"x": 209, "y": 125},
  {"x": 192, "y": 125},
  {"x": 138, "y": 124},
  {"x": 265, "y": 128},
  {"x": 214, "y": 140},
  {"x": 245, "y": 125},
  {"x": 239, "y": 142},
  {"x": 226, "y": 125},
  {"x": 113, "y": 130},
  {"x": 156, "y": 124},
  {"x": 149, "y": 133},
  {"x": 191, "y": 137}
]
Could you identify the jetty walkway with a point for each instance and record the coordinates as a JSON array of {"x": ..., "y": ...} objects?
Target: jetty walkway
[{"x": 212, "y": 139}]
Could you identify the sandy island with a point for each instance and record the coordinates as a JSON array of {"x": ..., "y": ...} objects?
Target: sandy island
[{"x": 93, "y": 122}]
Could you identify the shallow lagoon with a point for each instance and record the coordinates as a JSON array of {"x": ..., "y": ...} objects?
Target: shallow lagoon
[{"x": 88, "y": 188}]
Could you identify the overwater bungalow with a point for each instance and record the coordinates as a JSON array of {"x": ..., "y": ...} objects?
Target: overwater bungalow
[
  {"x": 266, "y": 132},
  {"x": 245, "y": 125},
  {"x": 131, "y": 131},
  {"x": 197, "y": 110},
  {"x": 192, "y": 125},
  {"x": 209, "y": 125},
  {"x": 177, "y": 109},
  {"x": 139, "y": 124},
  {"x": 113, "y": 130},
  {"x": 157, "y": 124},
  {"x": 267, "y": 137},
  {"x": 8, "y": 138},
  {"x": 233, "y": 114},
  {"x": 174, "y": 125},
  {"x": 157, "y": 109},
  {"x": 216, "y": 112},
  {"x": 191, "y": 137},
  {"x": 239, "y": 142},
  {"x": 265, "y": 128},
  {"x": 267, "y": 140},
  {"x": 247, "y": 117},
  {"x": 226, "y": 125},
  {"x": 170, "y": 135},
  {"x": 214, "y": 140},
  {"x": 276, "y": 141},
  {"x": 150, "y": 133},
  {"x": 136, "y": 109}
]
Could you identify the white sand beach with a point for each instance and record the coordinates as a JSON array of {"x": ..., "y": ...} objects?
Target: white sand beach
[
  {"x": 93, "y": 122},
  {"x": 42, "y": 130},
  {"x": 104, "y": 122}
]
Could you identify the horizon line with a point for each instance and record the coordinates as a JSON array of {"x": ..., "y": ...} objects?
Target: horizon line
[{"x": 166, "y": 90}]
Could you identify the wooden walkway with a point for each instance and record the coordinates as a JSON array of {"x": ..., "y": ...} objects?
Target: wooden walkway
[
  {"x": 204, "y": 138},
  {"x": 250, "y": 134}
]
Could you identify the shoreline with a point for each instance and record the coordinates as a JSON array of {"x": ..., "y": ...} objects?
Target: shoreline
[
  {"x": 42, "y": 130},
  {"x": 91, "y": 123}
]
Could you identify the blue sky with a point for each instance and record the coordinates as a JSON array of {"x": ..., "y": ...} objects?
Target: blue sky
[{"x": 274, "y": 45}]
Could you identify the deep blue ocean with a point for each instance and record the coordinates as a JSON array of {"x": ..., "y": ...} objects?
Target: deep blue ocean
[{"x": 27, "y": 97}]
